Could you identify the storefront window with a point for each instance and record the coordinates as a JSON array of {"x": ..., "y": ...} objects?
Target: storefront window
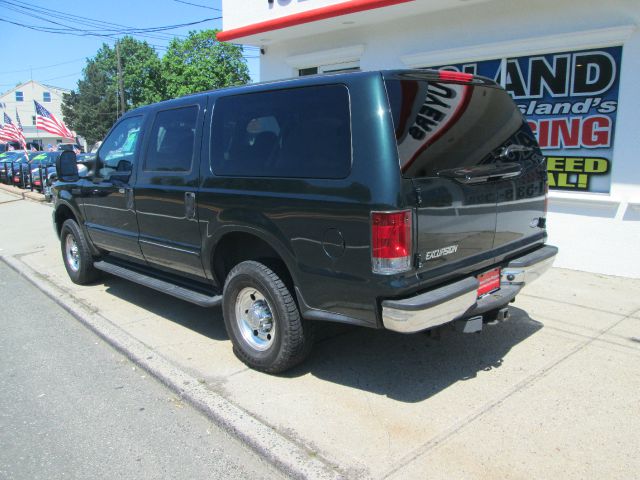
[{"x": 332, "y": 68}]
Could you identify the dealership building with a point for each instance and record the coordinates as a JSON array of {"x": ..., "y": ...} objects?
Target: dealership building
[{"x": 571, "y": 67}]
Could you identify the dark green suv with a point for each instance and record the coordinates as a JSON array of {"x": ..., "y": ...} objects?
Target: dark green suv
[{"x": 403, "y": 200}]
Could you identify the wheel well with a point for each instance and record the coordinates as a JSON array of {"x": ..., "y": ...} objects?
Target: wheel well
[
  {"x": 63, "y": 213},
  {"x": 238, "y": 247}
]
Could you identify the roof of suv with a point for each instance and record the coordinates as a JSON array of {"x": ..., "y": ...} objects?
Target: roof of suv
[{"x": 415, "y": 74}]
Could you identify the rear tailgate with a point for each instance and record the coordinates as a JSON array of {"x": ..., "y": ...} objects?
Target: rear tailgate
[{"x": 472, "y": 168}]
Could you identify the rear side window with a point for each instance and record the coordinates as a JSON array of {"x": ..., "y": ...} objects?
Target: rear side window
[
  {"x": 172, "y": 140},
  {"x": 441, "y": 126},
  {"x": 302, "y": 132}
]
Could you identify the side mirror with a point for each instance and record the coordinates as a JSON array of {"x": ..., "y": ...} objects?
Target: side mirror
[
  {"x": 66, "y": 168},
  {"x": 124, "y": 166}
]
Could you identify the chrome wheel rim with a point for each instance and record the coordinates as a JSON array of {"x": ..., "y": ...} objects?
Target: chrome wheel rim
[
  {"x": 71, "y": 252},
  {"x": 254, "y": 318}
]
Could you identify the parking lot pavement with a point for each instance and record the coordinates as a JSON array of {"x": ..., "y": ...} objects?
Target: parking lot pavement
[{"x": 551, "y": 392}]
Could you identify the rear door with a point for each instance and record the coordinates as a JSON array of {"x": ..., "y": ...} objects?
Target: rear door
[
  {"x": 464, "y": 150},
  {"x": 167, "y": 185}
]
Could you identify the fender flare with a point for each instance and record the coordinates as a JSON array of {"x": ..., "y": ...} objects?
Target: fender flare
[{"x": 279, "y": 246}]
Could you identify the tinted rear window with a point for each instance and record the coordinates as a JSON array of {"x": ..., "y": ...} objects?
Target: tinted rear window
[
  {"x": 440, "y": 126},
  {"x": 302, "y": 132}
]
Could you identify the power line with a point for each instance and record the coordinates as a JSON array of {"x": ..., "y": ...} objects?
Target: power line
[
  {"x": 102, "y": 29},
  {"x": 34, "y": 11},
  {"x": 106, "y": 29},
  {"x": 197, "y": 5},
  {"x": 43, "y": 67},
  {"x": 110, "y": 32},
  {"x": 61, "y": 76}
]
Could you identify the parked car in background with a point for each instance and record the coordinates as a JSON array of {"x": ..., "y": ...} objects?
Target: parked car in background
[
  {"x": 85, "y": 163},
  {"x": 70, "y": 146},
  {"x": 95, "y": 147},
  {"x": 85, "y": 158},
  {"x": 20, "y": 171},
  {"x": 6, "y": 164},
  {"x": 24, "y": 165},
  {"x": 9, "y": 146},
  {"x": 44, "y": 162}
]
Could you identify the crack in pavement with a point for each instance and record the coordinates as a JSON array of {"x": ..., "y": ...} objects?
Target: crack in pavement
[{"x": 521, "y": 385}]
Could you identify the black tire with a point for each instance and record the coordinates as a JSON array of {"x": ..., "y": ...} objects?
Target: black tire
[
  {"x": 83, "y": 271},
  {"x": 292, "y": 336}
]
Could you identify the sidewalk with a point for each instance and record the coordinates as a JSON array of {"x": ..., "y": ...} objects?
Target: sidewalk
[
  {"x": 552, "y": 392},
  {"x": 22, "y": 193}
]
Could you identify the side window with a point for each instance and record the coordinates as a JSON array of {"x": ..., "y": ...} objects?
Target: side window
[
  {"x": 295, "y": 133},
  {"x": 172, "y": 140},
  {"x": 120, "y": 145}
]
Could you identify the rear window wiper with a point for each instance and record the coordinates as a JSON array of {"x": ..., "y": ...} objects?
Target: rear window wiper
[
  {"x": 507, "y": 151},
  {"x": 482, "y": 173}
]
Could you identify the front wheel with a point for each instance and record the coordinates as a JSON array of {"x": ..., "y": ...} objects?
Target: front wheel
[
  {"x": 263, "y": 320},
  {"x": 76, "y": 254}
]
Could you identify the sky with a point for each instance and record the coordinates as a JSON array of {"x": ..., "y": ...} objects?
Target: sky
[{"x": 58, "y": 59}]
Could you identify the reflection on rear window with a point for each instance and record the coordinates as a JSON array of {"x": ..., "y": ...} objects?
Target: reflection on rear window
[{"x": 440, "y": 126}]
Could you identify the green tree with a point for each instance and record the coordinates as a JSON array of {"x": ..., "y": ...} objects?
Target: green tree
[
  {"x": 91, "y": 110},
  {"x": 94, "y": 107},
  {"x": 199, "y": 62}
]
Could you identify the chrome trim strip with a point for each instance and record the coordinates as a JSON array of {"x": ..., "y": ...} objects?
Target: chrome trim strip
[{"x": 182, "y": 250}]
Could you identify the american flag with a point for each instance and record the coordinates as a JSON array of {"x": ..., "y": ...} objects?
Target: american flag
[
  {"x": 5, "y": 135},
  {"x": 46, "y": 121},
  {"x": 12, "y": 132},
  {"x": 18, "y": 121}
]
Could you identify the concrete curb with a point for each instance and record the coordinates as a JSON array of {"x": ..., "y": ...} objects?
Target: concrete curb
[
  {"x": 279, "y": 450},
  {"x": 24, "y": 194}
]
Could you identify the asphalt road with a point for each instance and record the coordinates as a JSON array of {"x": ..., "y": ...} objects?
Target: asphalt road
[{"x": 72, "y": 407}]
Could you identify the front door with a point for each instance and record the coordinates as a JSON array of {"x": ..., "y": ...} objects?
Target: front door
[
  {"x": 167, "y": 185},
  {"x": 108, "y": 194}
]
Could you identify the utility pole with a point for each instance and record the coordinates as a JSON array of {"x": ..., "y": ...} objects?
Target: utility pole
[{"x": 120, "y": 79}]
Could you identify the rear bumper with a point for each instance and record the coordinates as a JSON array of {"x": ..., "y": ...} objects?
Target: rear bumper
[{"x": 459, "y": 300}]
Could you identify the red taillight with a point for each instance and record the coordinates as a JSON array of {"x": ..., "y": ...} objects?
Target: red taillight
[
  {"x": 455, "y": 76},
  {"x": 391, "y": 241}
]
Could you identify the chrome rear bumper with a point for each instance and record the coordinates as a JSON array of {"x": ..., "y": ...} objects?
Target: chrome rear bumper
[{"x": 459, "y": 300}]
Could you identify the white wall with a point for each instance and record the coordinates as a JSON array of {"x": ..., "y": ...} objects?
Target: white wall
[
  {"x": 595, "y": 232},
  {"x": 33, "y": 91},
  {"x": 246, "y": 12}
]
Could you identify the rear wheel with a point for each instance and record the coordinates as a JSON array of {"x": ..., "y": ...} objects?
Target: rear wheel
[
  {"x": 263, "y": 320},
  {"x": 76, "y": 254}
]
